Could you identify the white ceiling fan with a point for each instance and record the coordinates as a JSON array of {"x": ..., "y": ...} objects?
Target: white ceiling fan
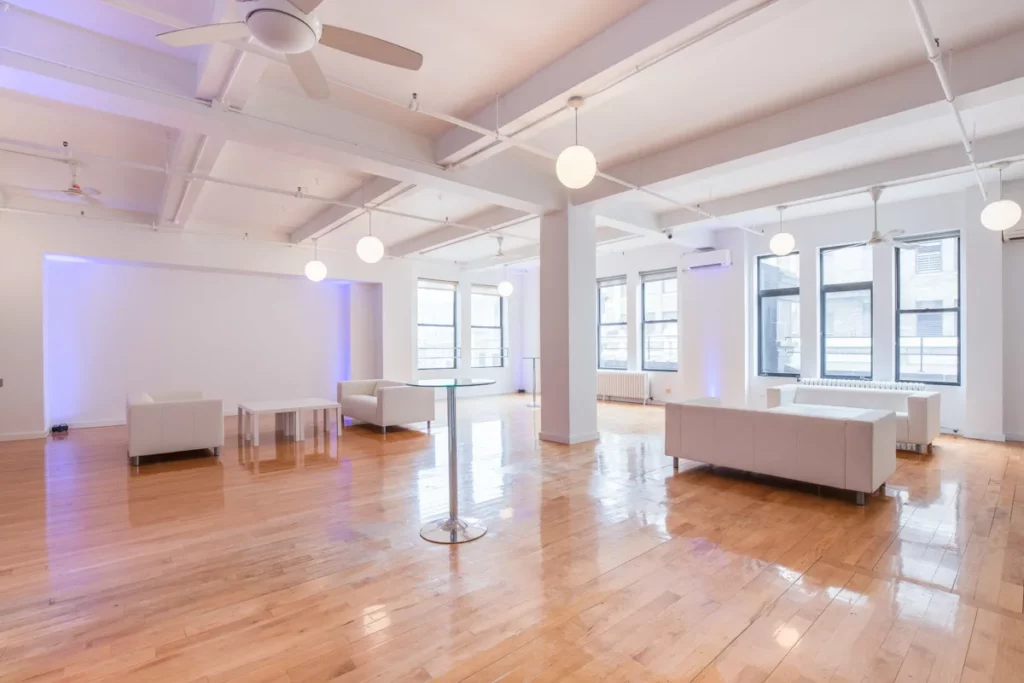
[
  {"x": 890, "y": 238},
  {"x": 291, "y": 28},
  {"x": 73, "y": 193}
]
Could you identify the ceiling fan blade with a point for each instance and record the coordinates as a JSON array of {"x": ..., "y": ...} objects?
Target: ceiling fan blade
[
  {"x": 91, "y": 200},
  {"x": 202, "y": 35},
  {"x": 309, "y": 75},
  {"x": 307, "y": 6},
  {"x": 368, "y": 47}
]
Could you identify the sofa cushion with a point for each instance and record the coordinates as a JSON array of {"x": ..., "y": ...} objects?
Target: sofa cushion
[
  {"x": 360, "y": 407},
  {"x": 870, "y": 399}
]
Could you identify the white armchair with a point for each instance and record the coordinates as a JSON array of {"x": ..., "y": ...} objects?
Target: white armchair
[
  {"x": 172, "y": 422},
  {"x": 384, "y": 403}
]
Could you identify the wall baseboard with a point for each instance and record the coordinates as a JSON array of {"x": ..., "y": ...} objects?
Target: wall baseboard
[
  {"x": 23, "y": 436},
  {"x": 981, "y": 436},
  {"x": 570, "y": 439},
  {"x": 1015, "y": 436}
]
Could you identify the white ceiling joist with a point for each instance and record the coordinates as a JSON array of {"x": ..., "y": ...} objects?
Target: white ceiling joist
[
  {"x": 902, "y": 98},
  {"x": 478, "y": 224},
  {"x": 85, "y": 69},
  {"x": 922, "y": 165},
  {"x": 374, "y": 192},
  {"x": 614, "y": 52}
]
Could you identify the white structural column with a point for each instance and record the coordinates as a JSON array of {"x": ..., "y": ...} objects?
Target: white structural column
[
  {"x": 981, "y": 266},
  {"x": 568, "y": 326}
]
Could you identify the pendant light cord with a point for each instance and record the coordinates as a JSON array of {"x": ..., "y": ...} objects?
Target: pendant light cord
[{"x": 577, "y": 112}]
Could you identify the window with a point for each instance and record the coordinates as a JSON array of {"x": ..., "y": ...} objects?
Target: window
[
  {"x": 436, "y": 328},
  {"x": 846, "y": 274},
  {"x": 487, "y": 328},
  {"x": 778, "y": 314},
  {"x": 928, "y": 310},
  {"x": 612, "y": 333},
  {"x": 660, "y": 327}
]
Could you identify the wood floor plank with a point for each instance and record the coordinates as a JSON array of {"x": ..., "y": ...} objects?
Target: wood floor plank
[{"x": 301, "y": 562}]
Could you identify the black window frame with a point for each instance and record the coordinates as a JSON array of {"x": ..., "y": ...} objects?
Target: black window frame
[
  {"x": 607, "y": 282},
  {"x": 956, "y": 310},
  {"x": 763, "y": 294},
  {"x": 500, "y": 327},
  {"x": 456, "y": 350},
  {"x": 650, "y": 277},
  {"x": 869, "y": 287}
]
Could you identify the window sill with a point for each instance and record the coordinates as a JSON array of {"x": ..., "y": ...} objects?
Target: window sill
[{"x": 778, "y": 374}]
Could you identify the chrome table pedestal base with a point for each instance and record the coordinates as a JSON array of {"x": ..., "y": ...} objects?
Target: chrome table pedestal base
[{"x": 452, "y": 531}]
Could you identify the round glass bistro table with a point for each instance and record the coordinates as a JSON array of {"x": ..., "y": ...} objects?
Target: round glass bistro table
[{"x": 452, "y": 529}]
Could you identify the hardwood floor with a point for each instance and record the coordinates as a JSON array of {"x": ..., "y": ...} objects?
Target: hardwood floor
[{"x": 292, "y": 563}]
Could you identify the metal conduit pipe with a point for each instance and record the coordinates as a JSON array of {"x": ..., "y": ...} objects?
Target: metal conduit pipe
[
  {"x": 60, "y": 156},
  {"x": 931, "y": 45}
]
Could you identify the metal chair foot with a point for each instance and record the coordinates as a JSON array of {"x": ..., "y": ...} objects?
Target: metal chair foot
[{"x": 860, "y": 498}]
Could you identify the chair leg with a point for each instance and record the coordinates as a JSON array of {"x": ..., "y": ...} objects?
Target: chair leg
[
  {"x": 428, "y": 426},
  {"x": 675, "y": 464},
  {"x": 860, "y": 498},
  {"x": 216, "y": 451},
  {"x": 384, "y": 431}
]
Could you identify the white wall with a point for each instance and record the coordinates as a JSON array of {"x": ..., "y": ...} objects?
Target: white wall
[
  {"x": 25, "y": 240},
  {"x": 717, "y": 310},
  {"x": 113, "y": 329}
]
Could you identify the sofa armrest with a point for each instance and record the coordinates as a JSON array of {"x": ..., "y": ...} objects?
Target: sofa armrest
[
  {"x": 208, "y": 422},
  {"x": 398, "y": 405},
  {"x": 924, "y": 414},
  {"x": 356, "y": 387},
  {"x": 781, "y": 396}
]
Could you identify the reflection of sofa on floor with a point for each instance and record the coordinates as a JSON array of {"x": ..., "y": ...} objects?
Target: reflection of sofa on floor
[
  {"x": 384, "y": 403},
  {"x": 917, "y": 411},
  {"x": 172, "y": 422},
  {"x": 844, "y": 448}
]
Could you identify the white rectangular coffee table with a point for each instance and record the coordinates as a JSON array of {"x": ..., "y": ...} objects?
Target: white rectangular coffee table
[{"x": 294, "y": 409}]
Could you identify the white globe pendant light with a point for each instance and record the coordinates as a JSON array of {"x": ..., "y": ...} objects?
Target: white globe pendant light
[
  {"x": 576, "y": 166},
  {"x": 782, "y": 243},
  {"x": 505, "y": 288},
  {"x": 369, "y": 248},
  {"x": 315, "y": 270},
  {"x": 1001, "y": 214}
]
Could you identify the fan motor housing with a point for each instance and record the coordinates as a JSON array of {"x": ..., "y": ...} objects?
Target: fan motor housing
[{"x": 281, "y": 27}]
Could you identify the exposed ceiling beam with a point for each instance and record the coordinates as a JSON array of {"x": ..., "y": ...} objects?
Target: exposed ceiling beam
[
  {"x": 489, "y": 219},
  {"x": 914, "y": 166},
  {"x": 985, "y": 73},
  {"x": 618, "y": 50},
  {"x": 629, "y": 219},
  {"x": 87, "y": 69},
  {"x": 376, "y": 191}
]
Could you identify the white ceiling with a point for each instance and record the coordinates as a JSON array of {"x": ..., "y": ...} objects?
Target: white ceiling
[{"x": 792, "y": 53}]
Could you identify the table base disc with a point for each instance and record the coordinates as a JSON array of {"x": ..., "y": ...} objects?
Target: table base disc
[
  {"x": 533, "y": 405},
  {"x": 450, "y": 532}
]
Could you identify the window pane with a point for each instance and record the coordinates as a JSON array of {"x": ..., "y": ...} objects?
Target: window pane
[
  {"x": 928, "y": 275},
  {"x": 661, "y": 346},
  {"x": 849, "y": 264},
  {"x": 435, "y": 306},
  {"x": 436, "y": 347},
  {"x": 780, "y": 335},
  {"x": 660, "y": 300},
  {"x": 930, "y": 347},
  {"x": 613, "y": 304},
  {"x": 612, "y": 347},
  {"x": 779, "y": 272},
  {"x": 486, "y": 351},
  {"x": 847, "y": 318},
  {"x": 486, "y": 310}
]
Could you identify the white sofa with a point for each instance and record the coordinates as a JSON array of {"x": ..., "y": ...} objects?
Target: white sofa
[
  {"x": 842, "y": 448},
  {"x": 172, "y": 422},
  {"x": 385, "y": 403},
  {"x": 917, "y": 412}
]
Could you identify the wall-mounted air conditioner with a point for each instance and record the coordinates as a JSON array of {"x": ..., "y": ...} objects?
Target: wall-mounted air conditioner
[
  {"x": 700, "y": 260},
  {"x": 1015, "y": 233}
]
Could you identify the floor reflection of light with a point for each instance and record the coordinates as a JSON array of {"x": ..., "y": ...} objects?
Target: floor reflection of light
[
  {"x": 787, "y": 636},
  {"x": 488, "y": 448}
]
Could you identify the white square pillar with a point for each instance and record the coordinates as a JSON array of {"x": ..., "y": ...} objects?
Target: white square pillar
[{"x": 568, "y": 326}]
